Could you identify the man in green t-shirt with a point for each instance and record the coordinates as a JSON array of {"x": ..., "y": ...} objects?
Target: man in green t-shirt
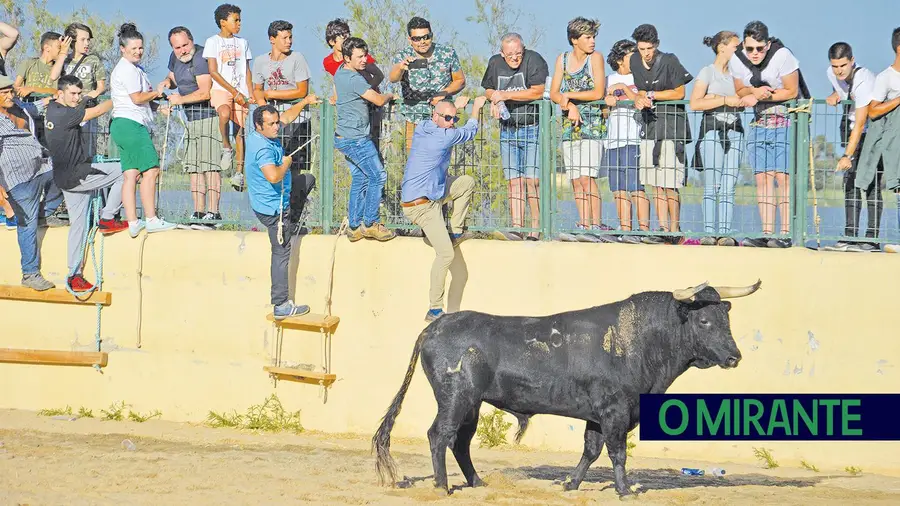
[{"x": 33, "y": 75}]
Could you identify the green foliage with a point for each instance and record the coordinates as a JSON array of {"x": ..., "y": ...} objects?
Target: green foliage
[
  {"x": 492, "y": 429},
  {"x": 85, "y": 413},
  {"x": 270, "y": 416},
  {"x": 116, "y": 412},
  {"x": 765, "y": 456},
  {"x": 855, "y": 471},
  {"x": 56, "y": 412},
  {"x": 137, "y": 417},
  {"x": 630, "y": 445},
  {"x": 33, "y": 17},
  {"x": 808, "y": 466}
]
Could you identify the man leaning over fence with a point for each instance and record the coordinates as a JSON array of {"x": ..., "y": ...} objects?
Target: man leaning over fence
[
  {"x": 428, "y": 72},
  {"x": 280, "y": 78},
  {"x": 661, "y": 77},
  {"x": 353, "y": 141},
  {"x": 882, "y": 144},
  {"x": 25, "y": 176},
  {"x": 513, "y": 78},
  {"x": 426, "y": 187},
  {"x": 77, "y": 177},
  {"x": 857, "y": 84},
  {"x": 269, "y": 185},
  {"x": 189, "y": 74}
]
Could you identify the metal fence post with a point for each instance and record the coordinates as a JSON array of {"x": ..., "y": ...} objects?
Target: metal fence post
[
  {"x": 547, "y": 175},
  {"x": 800, "y": 181},
  {"x": 326, "y": 168}
]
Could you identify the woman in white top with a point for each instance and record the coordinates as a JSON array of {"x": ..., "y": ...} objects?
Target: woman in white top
[
  {"x": 130, "y": 130},
  {"x": 718, "y": 151}
]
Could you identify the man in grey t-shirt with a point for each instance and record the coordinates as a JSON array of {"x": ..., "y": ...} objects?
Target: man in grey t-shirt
[{"x": 281, "y": 78}]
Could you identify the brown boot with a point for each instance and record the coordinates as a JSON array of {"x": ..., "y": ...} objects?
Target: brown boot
[
  {"x": 355, "y": 235},
  {"x": 378, "y": 232}
]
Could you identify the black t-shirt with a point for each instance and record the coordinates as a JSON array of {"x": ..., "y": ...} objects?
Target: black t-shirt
[
  {"x": 666, "y": 73},
  {"x": 63, "y": 131},
  {"x": 186, "y": 81},
  {"x": 499, "y": 76}
]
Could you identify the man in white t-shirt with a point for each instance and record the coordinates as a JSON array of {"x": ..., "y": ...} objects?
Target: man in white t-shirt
[
  {"x": 229, "y": 66},
  {"x": 857, "y": 85},
  {"x": 768, "y": 74},
  {"x": 882, "y": 145},
  {"x": 623, "y": 140}
]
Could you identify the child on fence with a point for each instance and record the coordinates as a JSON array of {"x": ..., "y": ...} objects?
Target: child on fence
[{"x": 229, "y": 65}]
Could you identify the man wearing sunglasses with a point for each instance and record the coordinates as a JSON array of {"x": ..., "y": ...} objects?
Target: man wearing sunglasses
[
  {"x": 768, "y": 74},
  {"x": 426, "y": 188},
  {"x": 428, "y": 72}
]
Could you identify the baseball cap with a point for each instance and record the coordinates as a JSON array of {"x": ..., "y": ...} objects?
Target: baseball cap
[{"x": 5, "y": 82}]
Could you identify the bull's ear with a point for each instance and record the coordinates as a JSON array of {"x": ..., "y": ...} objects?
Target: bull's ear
[{"x": 727, "y": 305}]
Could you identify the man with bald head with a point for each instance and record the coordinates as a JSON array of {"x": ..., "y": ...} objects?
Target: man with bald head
[
  {"x": 426, "y": 188},
  {"x": 513, "y": 79}
]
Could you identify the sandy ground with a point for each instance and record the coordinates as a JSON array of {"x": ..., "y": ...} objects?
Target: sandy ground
[{"x": 47, "y": 461}]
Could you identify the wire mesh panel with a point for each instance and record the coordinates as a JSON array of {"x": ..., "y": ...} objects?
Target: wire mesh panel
[{"x": 838, "y": 213}]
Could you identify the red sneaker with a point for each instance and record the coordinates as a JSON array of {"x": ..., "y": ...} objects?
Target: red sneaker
[
  {"x": 79, "y": 284},
  {"x": 107, "y": 227}
]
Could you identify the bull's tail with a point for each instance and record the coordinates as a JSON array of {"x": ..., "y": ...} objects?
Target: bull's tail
[{"x": 381, "y": 441}]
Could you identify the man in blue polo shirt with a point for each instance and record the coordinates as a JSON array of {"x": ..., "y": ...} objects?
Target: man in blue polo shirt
[
  {"x": 265, "y": 167},
  {"x": 426, "y": 188}
]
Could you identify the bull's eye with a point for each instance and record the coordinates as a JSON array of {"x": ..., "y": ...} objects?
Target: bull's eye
[{"x": 704, "y": 322}]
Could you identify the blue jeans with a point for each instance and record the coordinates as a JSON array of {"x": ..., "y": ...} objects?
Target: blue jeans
[
  {"x": 720, "y": 175},
  {"x": 519, "y": 151},
  {"x": 368, "y": 179},
  {"x": 25, "y": 199}
]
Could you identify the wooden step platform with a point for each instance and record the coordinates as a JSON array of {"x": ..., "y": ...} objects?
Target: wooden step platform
[
  {"x": 55, "y": 295},
  {"x": 309, "y": 321},
  {"x": 301, "y": 376},
  {"x": 50, "y": 357}
]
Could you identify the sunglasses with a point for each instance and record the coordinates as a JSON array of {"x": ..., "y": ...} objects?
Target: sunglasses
[
  {"x": 420, "y": 38},
  {"x": 755, "y": 49},
  {"x": 447, "y": 117}
]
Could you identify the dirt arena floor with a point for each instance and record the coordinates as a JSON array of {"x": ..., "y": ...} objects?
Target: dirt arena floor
[{"x": 47, "y": 461}]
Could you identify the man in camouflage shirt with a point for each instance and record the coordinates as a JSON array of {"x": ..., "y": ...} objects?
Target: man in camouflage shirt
[{"x": 427, "y": 72}]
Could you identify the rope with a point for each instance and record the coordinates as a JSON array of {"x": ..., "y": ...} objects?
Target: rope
[
  {"x": 163, "y": 163},
  {"x": 344, "y": 224},
  {"x": 140, "y": 275},
  {"x": 92, "y": 218}
]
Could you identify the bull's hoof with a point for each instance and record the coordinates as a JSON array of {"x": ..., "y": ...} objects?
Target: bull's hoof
[
  {"x": 477, "y": 482},
  {"x": 570, "y": 484},
  {"x": 625, "y": 493}
]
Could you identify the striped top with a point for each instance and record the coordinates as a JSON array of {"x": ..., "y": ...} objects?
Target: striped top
[{"x": 21, "y": 155}]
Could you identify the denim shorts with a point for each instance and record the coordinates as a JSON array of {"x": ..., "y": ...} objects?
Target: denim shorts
[
  {"x": 622, "y": 163},
  {"x": 519, "y": 151},
  {"x": 768, "y": 148}
]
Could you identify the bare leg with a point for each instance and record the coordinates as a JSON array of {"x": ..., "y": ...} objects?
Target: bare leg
[
  {"x": 129, "y": 199},
  {"x": 148, "y": 192},
  {"x": 595, "y": 203},
  {"x": 580, "y": 201},
  {"x": 239, "y": 151},
  {"x": 784, "y": 201},
  {"x": 198, "y": 191},
  {"x": 224, "y": 112},
  {"x": 623, "y": 208},
  {"x": 673, "y": 200},
  {"x": 517, "y": 202},
  {"x": 534, "y": 203},
  {"x": 213, "y": 190},
  {"x": 765, "y": 197},
  {"x": 643, "y": 209}
]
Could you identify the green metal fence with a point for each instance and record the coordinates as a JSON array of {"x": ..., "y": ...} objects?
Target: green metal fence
[{"x": 558, "y": 214}]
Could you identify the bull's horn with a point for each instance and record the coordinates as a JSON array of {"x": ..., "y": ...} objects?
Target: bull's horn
[
  {"x": 733, "y": 292},
  {"x": 688, "y": 294}
]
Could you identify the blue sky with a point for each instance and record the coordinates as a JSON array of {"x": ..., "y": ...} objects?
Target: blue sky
[{"x": 808, "y": 27}]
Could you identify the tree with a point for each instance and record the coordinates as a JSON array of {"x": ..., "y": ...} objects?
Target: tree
[{"x": 497, "y": 18}]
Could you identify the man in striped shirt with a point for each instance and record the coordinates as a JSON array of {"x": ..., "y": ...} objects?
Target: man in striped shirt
[{"x": 25, "y": 174}]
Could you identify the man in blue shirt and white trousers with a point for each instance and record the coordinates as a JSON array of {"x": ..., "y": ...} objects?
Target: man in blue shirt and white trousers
[
  {"x": 426, "y": 188},
  {"x": 265, "y": 167}
]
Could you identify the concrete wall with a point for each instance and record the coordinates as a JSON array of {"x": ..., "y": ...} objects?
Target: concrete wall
[{"x": 205, "y": 339}]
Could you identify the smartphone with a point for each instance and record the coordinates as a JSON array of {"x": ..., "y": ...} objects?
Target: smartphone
[{"x": 419, "y": 63}]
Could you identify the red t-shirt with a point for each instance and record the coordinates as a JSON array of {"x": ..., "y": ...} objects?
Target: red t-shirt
[{"x": 332, "y": 66}]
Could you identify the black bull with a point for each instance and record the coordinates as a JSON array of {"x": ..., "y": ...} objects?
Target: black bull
[{"x": 590, "y": 364}]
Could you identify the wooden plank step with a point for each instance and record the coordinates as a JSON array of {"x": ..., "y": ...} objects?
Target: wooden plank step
[
  {"x": 52, "y": 357},
  {"x": 301, "y": 376},
  {"x": 309, "y": 321},
  {"x": 58, "y": 295}
]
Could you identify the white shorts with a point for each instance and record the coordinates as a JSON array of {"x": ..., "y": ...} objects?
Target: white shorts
[
  {"x": 583, "y": 158},
  {"x": 669, "y": 174}
]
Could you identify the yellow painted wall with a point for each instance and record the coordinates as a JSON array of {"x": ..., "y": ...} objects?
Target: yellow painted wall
[{"x": 205, "y": 339}]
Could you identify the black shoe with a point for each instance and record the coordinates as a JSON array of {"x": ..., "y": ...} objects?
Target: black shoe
[
  {"x": 755, "y": 242},
  {"x": 779, "y": 243}
]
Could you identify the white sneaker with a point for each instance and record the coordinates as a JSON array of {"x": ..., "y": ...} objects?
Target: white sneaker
[
  {"x": 134, "y": 229},
  {"x": 158, "y": 225},
  {"x": 237, "y": 182},
  {"x": 225, "y": 162}
]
